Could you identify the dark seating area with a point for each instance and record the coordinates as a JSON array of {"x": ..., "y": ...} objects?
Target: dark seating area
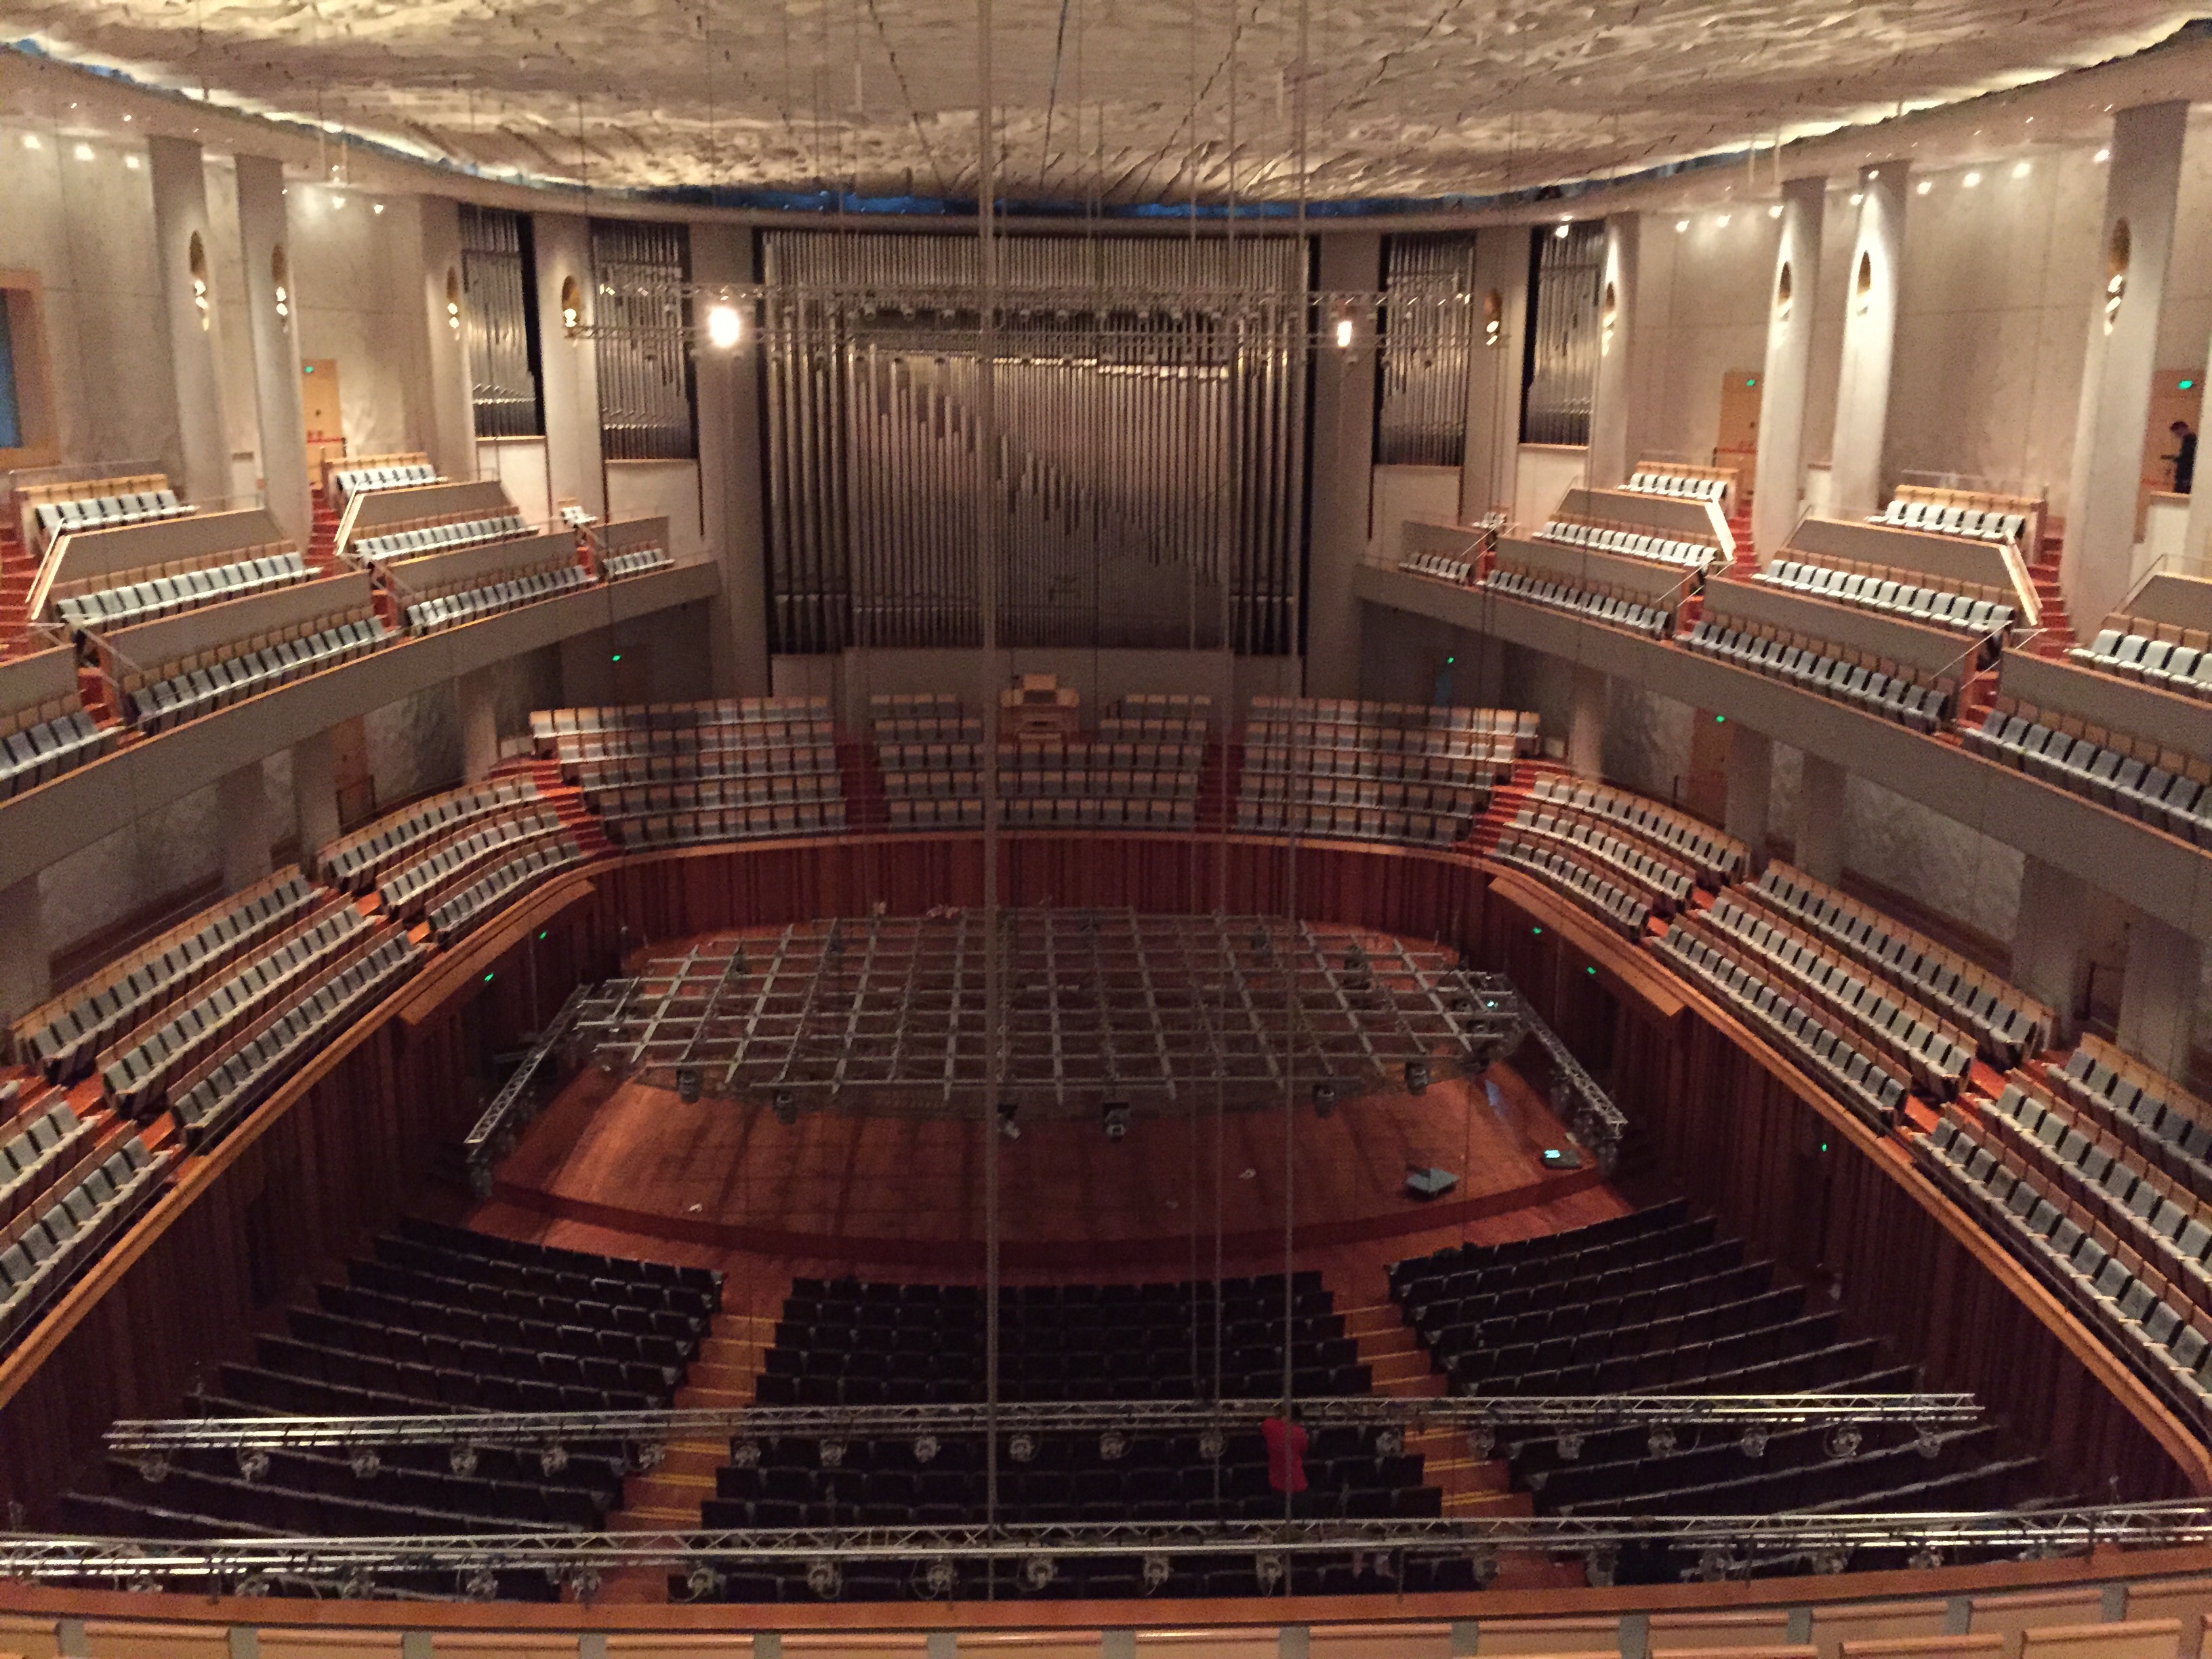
[{"x": 432, "y": 1319}]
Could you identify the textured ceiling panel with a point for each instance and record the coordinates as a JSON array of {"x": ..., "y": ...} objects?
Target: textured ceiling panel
[{"x": 1115, "y": 101}]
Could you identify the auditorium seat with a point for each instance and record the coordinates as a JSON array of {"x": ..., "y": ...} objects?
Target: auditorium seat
[
  {"x": 41, "y": 1252},
  {"x": 1630, "y": 542},
  {"x": 1377, "y": 771},
  {"x": 356, "y": 861},
  {"x": 667, "y": 773},
  {"x": 1664, "y": 883},
  {"x": 1697, "y": 484},
  {"x": 108, "y": 603},
  {"x": 1441, "y": 567},
  {"x": 1951, "y": 513},
  {"x": 2006, "y": 1022},
  {"x": 242, "y": 648},
  {"x": 45, "y": 728},
  {"x": 59, "y": 510},
  {"x": 61, "y": 1036},
  {"x": 547, "y": 580},
  {"x": 1717, "y": 857},
  {"x": 444, "y": 537},
  {"x": 2168, "y": 1124},
  {"x": 348, "y": 479},
  {"x": 633, "y": 562},
  {"x": 1577, "y": 875},
  {"x": 1982, "y": 612},
  {"x": 440, "y": 866},
  {"x": 38, "y": 1146},
  {"x": 2117, "y": 769},
  {"x": 1598, "y": 603},
  {"x": 2159, "y": 654},
  {"x": 531, "y": 862},
  {"x": 1825, "y": 667}
]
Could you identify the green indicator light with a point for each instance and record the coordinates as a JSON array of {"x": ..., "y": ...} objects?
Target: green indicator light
[
  {"x": 616, "y": 658},
  {"x": 1592, "y": 972},
  {"x": 1720, "y": 719},
  {"x": 2187, "y": 385},
  {"x": 542, "y": 933},
  {"x": 1538, "y": 932},
  {"x": 487, "y": 979}
]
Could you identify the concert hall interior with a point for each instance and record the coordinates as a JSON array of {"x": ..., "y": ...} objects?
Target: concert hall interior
[{"x": 1278, "y": 829}]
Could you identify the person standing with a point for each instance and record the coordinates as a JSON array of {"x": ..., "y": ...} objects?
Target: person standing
[{"x": 2185, "y": 457}]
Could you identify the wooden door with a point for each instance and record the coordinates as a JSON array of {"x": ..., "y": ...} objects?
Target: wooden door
[
  {"x": 319, "y": 404},
  {"x": 1705, "y": 792},
  {"x": 1736, "y": 442}
]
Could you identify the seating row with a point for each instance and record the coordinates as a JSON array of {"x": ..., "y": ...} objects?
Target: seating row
[
  {"x": 181, "y": 695},
  {"x": 1151, "y": 754},
  {"x": 2168, "y": 1125},
  {"x": 463, "y": 1245},
  {"x": 1633, "y": 543},
  {"x": 2158, "y": 654},
  {"x": 712, "y": 795},
  {"x": 949, "y": 729},
  {"x": 61, "y": 1036},
  {"x": 349, "y": 481},
  {"x": 1442, "y": 567},
  {"x": 784, "y": 773},
  {"x": 2127, "y": 773},
  {"x": 2121, "y": 1297},
  {"x": 538, "y": 1284},
  {"x": 1832, "y": 1059},
  {"x": 39, "y": 1256},
  {"x": 679, "y": 829},
  {"x": 966, "y": 811},
  {"x": 1411, "y": 829},
  {"x": 1477, "y": 768},
  {"x": 40, "y": 750},
  {"x": 1973, "y": 613},
  {"x": 1932, "y": 1052},
  {"x": 134, "y": 1073},
  {"x": 474, "y": 604},
  {"x": 1662, "y": 480},
  {"x": 1090, "y": 812},
  {"x": 56, "y": 519},
  {"x": 164, "y": 595},
  {"x": 38, "y": 1144},
  {"x": 1953, "y": 518},
  {"x": 1516, "y": 1301},
  {"x": 1719, "y": 858},
  {"x": 633, "y": 562},
  {"x": 769, "y": 738},
  {"x": 353, "y": 861},
  {"x": 1482, "y": 1343},
  {"x": 407, "y": 890},
  {"x": 1379, "y": 718},
  {"x": 1880, "y": 687},
  {"x": 1076, "y": 781},
  {"x": 447, "y": 538},
  {"x": 224, "y": 1087},
  {"x": 1663, "y": 883},
  {"x": 1630, "y": 912},
  {"x": 454, "y": 916},
  {"x": 1597, "y": 603},
  {"x": 1448, "y": 799},
  {"x": 1407, "y": 1278},
  {"x": 2006, "y": 1021},
  {"x": 548, "y": 724}
]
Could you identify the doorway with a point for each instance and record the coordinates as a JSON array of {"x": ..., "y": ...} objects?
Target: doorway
[
  {"x": 319, "y": 405},
  {"x": 1736, "y": 443}
]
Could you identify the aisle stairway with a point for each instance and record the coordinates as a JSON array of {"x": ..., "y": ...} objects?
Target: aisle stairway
[
  {"x": 2057, "y": 635},
  {"x": 17, "y": 573}
]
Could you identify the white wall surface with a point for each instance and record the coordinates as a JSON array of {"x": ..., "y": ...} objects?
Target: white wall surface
[
  {"x": 357, "y": 273},
  {"x": 646, "y": 490},
  {"x": 1542, "y": 474},
  {"x": 1703, "y": 310}
]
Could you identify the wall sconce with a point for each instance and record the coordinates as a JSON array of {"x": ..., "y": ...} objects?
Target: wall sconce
[
  {"x": 452, "y": 300},
  {"x": 1494, "y": 318},
  {"x": 1783, "y": 288},
  {"x": 572, "y": 306},
  {"x": 2116, "y": 276},
  {"x": 726, "y": 326},
  {"x": 280, "y": 275},
  {"x": 196, "y": 262}
]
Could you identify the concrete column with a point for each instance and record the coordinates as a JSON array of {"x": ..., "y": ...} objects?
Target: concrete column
[
  {"x": 733, "y": 518},
  {"x": 450, "y": 435},
  {"x": 2158, "y": 994},
  {"x": 574, "y": 462},
  {"x": 2142, "y": 183},
  {"x": 1586, "y": 726},
  {"x": 1343, "y": 471},
  {"x": 1779, "y": 480},
  {"x": 26, "y": 968},
  {"x": 1750, "y": 787},
  {"x": 479, "y": 722},
  {"x": 315, "y": 793},
  {"x": 187, "y": 314},
  {"x": 2050, "y": 940},
  {"x": 1859, "y": 474},
  {"x": 264, "y": 243},
  {"x": 1613, "y": 439},
  {"x": 241, "y": 806},
  {"x": 1493, "y": 382},
  {"x": 1821, "y": 820}
]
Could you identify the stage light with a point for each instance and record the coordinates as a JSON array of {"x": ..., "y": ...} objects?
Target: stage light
[
  {"x": 1722, "y": 220},
  {"x": 926, "y": 1448},
  {"x": 1565, "y": 225},
  {"x": 939, "y": 1579},
  {"x": 1417, "y": 1076},
  {"x": 31, "y": 142},
  {"x": 1114, "y": 1119},
  {"x": 1113, "y": 1446},
  {"x": 1774, "y": 212},
  {"x": 1267, "y": 1565},
  {"x": 1924, "y": 186},
  {"x": 83, "y": 152},
  {"x": 481, "y": 1585},
  {"x": 1038, "y": 1572},
  {"x": 2099, "y": 158},
  {"x": 832, "y": 1454},
  {"x": 786, "y": 1107},
  {"x": 1343, "y": 332},
  {"x": 462, "y": 1460},
  {"x": 1007, "y": 1126},
  {"x": 825, "y": 1579},
  {"x": 1022, "y": 1447},
  {"x": 1156, "y": 1572},
  {"x": 1660, "y": 1440},
  {"x": 687, "y": 1085},
  {"x": 703, "y": 1583},
  {"x": 1324, "y": 1098},
  {"x": 724, "y": 328}
]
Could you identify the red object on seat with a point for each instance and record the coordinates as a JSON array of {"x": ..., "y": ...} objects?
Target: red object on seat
[{"x": 1286, "y": 1455}]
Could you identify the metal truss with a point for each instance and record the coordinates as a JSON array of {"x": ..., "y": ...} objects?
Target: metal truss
[
  {"x": 1099, "y": 1007},
  {"x": 1725, "y": 1543},
  {"x": 1585, "y": 1107},
  {"x": 493, "y": 1137},
  {"x": 1482, "y": 1419}
]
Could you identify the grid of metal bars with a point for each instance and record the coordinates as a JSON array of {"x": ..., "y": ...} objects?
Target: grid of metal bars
[
  {"x": 1426, "y": 350},
  {"x": 1150, "y": 475},
  {"x": 496, "y": 278},
  {"x": 1563, "y": 334},
  {"x": 641, "y": 345},
  {"x": 1100, "y": 1006}
]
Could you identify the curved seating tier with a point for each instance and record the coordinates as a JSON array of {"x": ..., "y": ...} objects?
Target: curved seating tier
[
  {"x": 1664, "y": 882},
  {"x": 355, "y": 861},
  {"x": 2136, "y": 775},
  {"x": 1975, "y": 514},
  {"x": 1876, "y": 684},
  {"x": 59, "y": 510},
  {"x": 1718, "y": 857},
  {"x": 346, "y": 479},
  {"x": 169, "y": 592},
  {"x": 2159, "y": 654},
  {"x": 41, "y": 1254},
  {"x": 1599, "y": 603},
  {"x": 1577, "y": 875},
  {"x": 45, "y": 728},
  {"x": 1980, "y": 612},
  {"x": 534, "y": 860},
  {"x": 1379, "y": 771},
  {"x": 447, "y": 536},
  {"x": 1698, "y": 484},
  {"x": 251, "y": 654},
  {"x": 1632, "y": 543}
]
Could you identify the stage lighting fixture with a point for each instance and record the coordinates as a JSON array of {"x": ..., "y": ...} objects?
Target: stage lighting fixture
[
  {"x": 252, "y": 1464},
  {"x": 687, "y": 1085},
  {"x": 926, "y": 1448},
  {"x": 1113, "y": 1446},
  {"x": 1661, "y": 1439},
  {"x": 745, "y": 1454},
  {"x": 1389, "y": 1440},
  {"x": 1022, "y": 1447},
  {"x": 553, "y": 1459},
  {"x": 1114, "y": 1119},
  {"x": 462, "y": 1460},
  {"x": 1007, "y": 1126},
  {"x": 365, "y": 1464},
  {"x": 1324, "y": 1099},
  {"x": 787, "y": 1109},
  {"x": 825, "y": 1578},
  {"x": 1482, "y": 1442},
  {"x": 832, "y": 1454},
  {"x": 1267, "y": 1568},
  {"x": 703, "y": 1583},
  {"x": 724, "y": 328},
  {"x": 1417, "y": 1076},
  {"x": 1752, "y": 1443},
  {"x": 1038, "y": 1571},
  {"x": 1483, "y": 1564},
  {"x": 1844, "y": 1441},
  {"x": 481, "y": 1585},
  {"x": 1599, "y": 1566},
  {"x": 1157, "y": 1570},
  {"x": 1569, "y": 1448},
  {"x": 938, "y": 1580},
  {"x": 1211, "y": 1445}
]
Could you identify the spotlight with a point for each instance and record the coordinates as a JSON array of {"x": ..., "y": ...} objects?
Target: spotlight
[
  {"x": 2099, "y": 158},
  {"x": 832, "y": 1454},
  {"x": 1970, "y": 180},
  {"x": 251, "y": 1464},
  {"x": 1211, "y": 1445},
  {"x": 1038, "y": 1572},
  {"x": 703, "y": 1583},
  {"x": 745, "y": 1454},
  {"x": 687, "y": 1085},
  {"x": 553, "y": 1459},
  {"x": 825, "y": 1579},
  {"x": 130, "y": 161},
  {"x": 1565, "y": 225},
  {"x": 938, "y": 1580},
  {"x": 1113, "y": 1446},
  {"x": 1923, "y": 187},
  {"x": 1389, "y": 1440},
  {"x": 1022, "y": 1447},
  {"x": 1599, "y": 1566},
  {"x": 787, "y": 1109},
  {"x": 1660, "y": 1440},
  {"x": 1681, "y": 227},
  {"x": 926, "y": 1448},
  {"x": 1857, "y": 196},
  {"x": 365, "y": 1464},
  {"x": 1417, "y": 1076},
  {"x": 1482, "y": 1442},
  {"x": 1774, "y": 212},
  {"x": 1114, "y": 1119},
  {"x": 1324, "y": 1099},
  {"x": 1484, "y": 1564},
  {"x": 1343, "y": 332},
  {"x": 1722, "y": 220},
  {"x": 1830, "y": 1562},
  {"x": 1156, "y": 1572},
  {"x": 1844, "y": 1441},
  {"x": 83, "y": 152},
  {"x": 31, "y": 142},
  {"x": 1267, "y": 1565},
  {"x": 2022, "y": 169},
  {"x": 1569, "y": 1448},
  {"x": 724, "y": 328},
  {"x": 462, "y": 1460},
  {"x": 1752, "y": 1444},
  {"x": 1007, "y": 1126}
]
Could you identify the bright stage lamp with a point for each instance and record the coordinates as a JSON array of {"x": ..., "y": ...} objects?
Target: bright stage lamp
[{"x": 724, "y": 327}]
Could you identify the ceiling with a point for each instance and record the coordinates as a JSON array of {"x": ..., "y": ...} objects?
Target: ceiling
[{"x": 1119, "y": 103}]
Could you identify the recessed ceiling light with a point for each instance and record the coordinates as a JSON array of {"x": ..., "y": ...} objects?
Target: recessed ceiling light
[
  {"x": 2101, "y": 157},
  {"x": 2022, "y": 169},
  {"x": 338, "y": 201},
  {"x": 1970, "y": 180},
  {"x": 1774, "y": 212},
  {"x": 1564, "y": 226},
  {"x": 31, "y": 141},
  {"x": 380, "y": 207},
  {"x": 83, "y": 152},
  {"x": 1923, "y": 187},
  {"x": 130, "y": 161},
  {"x": 1857, "y": 196},
  {"x": 1680, "y": 225},
  {"x": 1874, "y": 173},
  {"x": 1722, "y": 220}
]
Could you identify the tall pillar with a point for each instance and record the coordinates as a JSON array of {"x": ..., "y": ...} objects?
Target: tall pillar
[
  {"x": 574, "y": 464},
  {"x": 1343, "y": 470},
  {"x": 1493, "y": 382},
  {"x": 450, "y": 437},
  {"x": 728, "y": 384},
  {"x": 26, "y": 969},
  {"x": 479, "y": 722},
  {"x": 2141, "y": 184},
  {"x": 1750, "y": 787},
  {"x": 1611, "y": 434},
  {"x": 2050, "y": 941},
  {"x": 1821, "y": 820},
  {"x": 2158, "y": 994},
  {"x": 1858, "y": 475},
  {"x": 241, "y": 807},
  {"x": 184, "y": 266},
  {"x": 315, "y": 793},
  {"x": 1779, "y": 480},
  {"x": 1586, "y": 724},
  {"x": 263, "y": 241}
]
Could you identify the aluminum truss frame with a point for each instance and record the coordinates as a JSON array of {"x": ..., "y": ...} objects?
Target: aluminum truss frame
[
  {"x": 1102, "y": 1007},
  {"x": 493, "y": 1136},
  {"x": 1725, "y": 1543},
  {"x": 1577, "y": 1099},
  {"x": 1566, "y": 1417}
]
